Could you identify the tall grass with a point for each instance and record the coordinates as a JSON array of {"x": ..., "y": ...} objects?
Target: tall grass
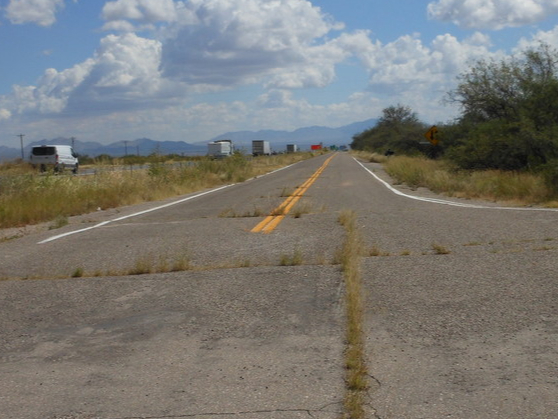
[
  {"x": 519, "y": 188},
  {"x": 30, "y": 198}
]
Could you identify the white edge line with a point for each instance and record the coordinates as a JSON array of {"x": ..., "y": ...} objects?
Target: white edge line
[
  {"x": 444, "y": 202},
  {"x": 155, "y": 208},
  {"x": 134, "y": 215}
]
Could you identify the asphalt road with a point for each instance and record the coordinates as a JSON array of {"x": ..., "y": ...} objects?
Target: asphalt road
[{"x": 461, "y": 317}]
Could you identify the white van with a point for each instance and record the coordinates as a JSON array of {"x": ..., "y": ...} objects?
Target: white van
[{"x": 59, "y": 157}]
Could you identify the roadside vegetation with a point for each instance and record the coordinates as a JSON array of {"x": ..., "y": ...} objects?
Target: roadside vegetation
[
  {"x": 27, "y": 197},
  {"x": 356, "y": 377},
  {"x": 503, "y": 146},
  {"x": 520, "y": 188}
]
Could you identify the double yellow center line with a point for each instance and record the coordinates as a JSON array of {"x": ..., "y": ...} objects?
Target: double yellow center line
[{"x": 277, "y": 215}]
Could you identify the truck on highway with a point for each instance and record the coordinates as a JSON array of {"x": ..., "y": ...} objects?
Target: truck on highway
[
  {"x": 220, "y": 149},
  {"x": 292, "y": 148},
  {"x": 261, "y": 148}
]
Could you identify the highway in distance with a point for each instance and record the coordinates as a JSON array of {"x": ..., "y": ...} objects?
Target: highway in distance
[{"x": 229, "y": 303}]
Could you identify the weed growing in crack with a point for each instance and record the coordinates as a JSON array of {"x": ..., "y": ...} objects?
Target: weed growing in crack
[
  {"x": 292, "y": 260},
  {"x": 440, "y": 250},
  {"x": 356, "y": 379},
  {"x": 376, "y": 251}
]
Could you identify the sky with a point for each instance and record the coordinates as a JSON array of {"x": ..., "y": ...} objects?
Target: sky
[{"x": 190, "y": 70}]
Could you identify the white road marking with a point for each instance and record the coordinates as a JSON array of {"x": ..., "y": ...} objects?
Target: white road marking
[
  {"x": 153, "y": 209},
  {"x": 445, "y": 202},
  {"x": 133, "y": 215}
]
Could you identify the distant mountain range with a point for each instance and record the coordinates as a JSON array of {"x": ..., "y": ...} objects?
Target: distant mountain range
[{"x": 303, "y": 137}]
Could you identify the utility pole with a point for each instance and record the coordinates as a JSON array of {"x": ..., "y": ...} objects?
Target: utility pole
[
  {"x": 125, "y": 148},
  {"x": 73, "y": 140},
  {"x": 21, "y": 141}
]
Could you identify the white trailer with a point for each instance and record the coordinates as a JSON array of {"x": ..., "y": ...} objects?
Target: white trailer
[
  {"x": 292, "y": 148},
  {"x": 219, "y": 149},
  {"x": 261, "y": 148}
]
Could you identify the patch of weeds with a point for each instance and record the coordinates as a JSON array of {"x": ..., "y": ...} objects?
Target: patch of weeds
[
  {"x": 78, "y": 273},
  {"x": 143, "y": 265},
  {"x": 59, "y": 222},
  {"x": 162, "y": 264},
  {"x": 246, "y": 263},
  {"x": 291, "y": 260},
  {"x": 301, "y": 208},
  {"x": 440, "y": 250},
  {"x": 356, "y": 376},
  {"x": 181, "y": 263},
  {"x": 257, "y": 212},
  {"x": 543, "y": 248},
  {"x": 472, "y": 244},
  {"x": 548, "y": 239},
  {"x": 227, "y": 213},
  {"x": 231, "y": 213},
  {"x": 376, "y": 251},
  {"x": 405, "y": 253}
]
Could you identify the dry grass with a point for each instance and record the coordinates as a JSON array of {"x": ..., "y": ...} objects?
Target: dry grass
[
  {"x": 232, "y": 213},
  {"x": 29, "y": 198},
  {"x": 356, "y": 379},
  {"x": 439, "y": 176},
  {"x": 440, "y": 250},
  {"x": 376, "y": 251},
  {"x": 292, "y": 260},
  {"x": 301, "y": 208}
]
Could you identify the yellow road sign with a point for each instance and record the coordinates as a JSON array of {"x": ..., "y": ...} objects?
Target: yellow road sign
[{"x": 431, "y": 135}]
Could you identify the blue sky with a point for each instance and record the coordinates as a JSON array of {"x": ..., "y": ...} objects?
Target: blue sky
[{"x": 190, "y": 70}]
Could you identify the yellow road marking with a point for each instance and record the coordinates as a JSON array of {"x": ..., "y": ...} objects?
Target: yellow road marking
[{"x": 278, "y": 214}]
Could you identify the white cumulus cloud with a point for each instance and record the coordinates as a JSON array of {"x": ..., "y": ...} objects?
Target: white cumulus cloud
[
  {"x": 549, "y": 38},
  {"x": 228, "y": 42},
  {"x": 408, "y": 61},
  {"x": 143, "y": 10},
  {"x": 492, "y": 14},
  {"x": 119, "y": 14},
  {"x": 122, "y": 74},
  {"x": 40, "y": 12},
  {"x": 4, "y": 114}
]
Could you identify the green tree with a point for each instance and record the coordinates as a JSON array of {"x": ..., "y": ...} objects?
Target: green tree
[
  {"x": 398, "y": 129},
  {"x": 509, "y": 112}
]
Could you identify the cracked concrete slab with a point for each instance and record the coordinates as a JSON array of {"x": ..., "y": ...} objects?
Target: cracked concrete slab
[{"x": 250, "y": 343}]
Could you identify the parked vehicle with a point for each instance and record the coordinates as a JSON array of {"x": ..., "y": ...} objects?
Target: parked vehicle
[
  {"x": 220, "y": 149},
  {"x": 59, "y": 157},
  {"x": 261, "y": 148}
]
